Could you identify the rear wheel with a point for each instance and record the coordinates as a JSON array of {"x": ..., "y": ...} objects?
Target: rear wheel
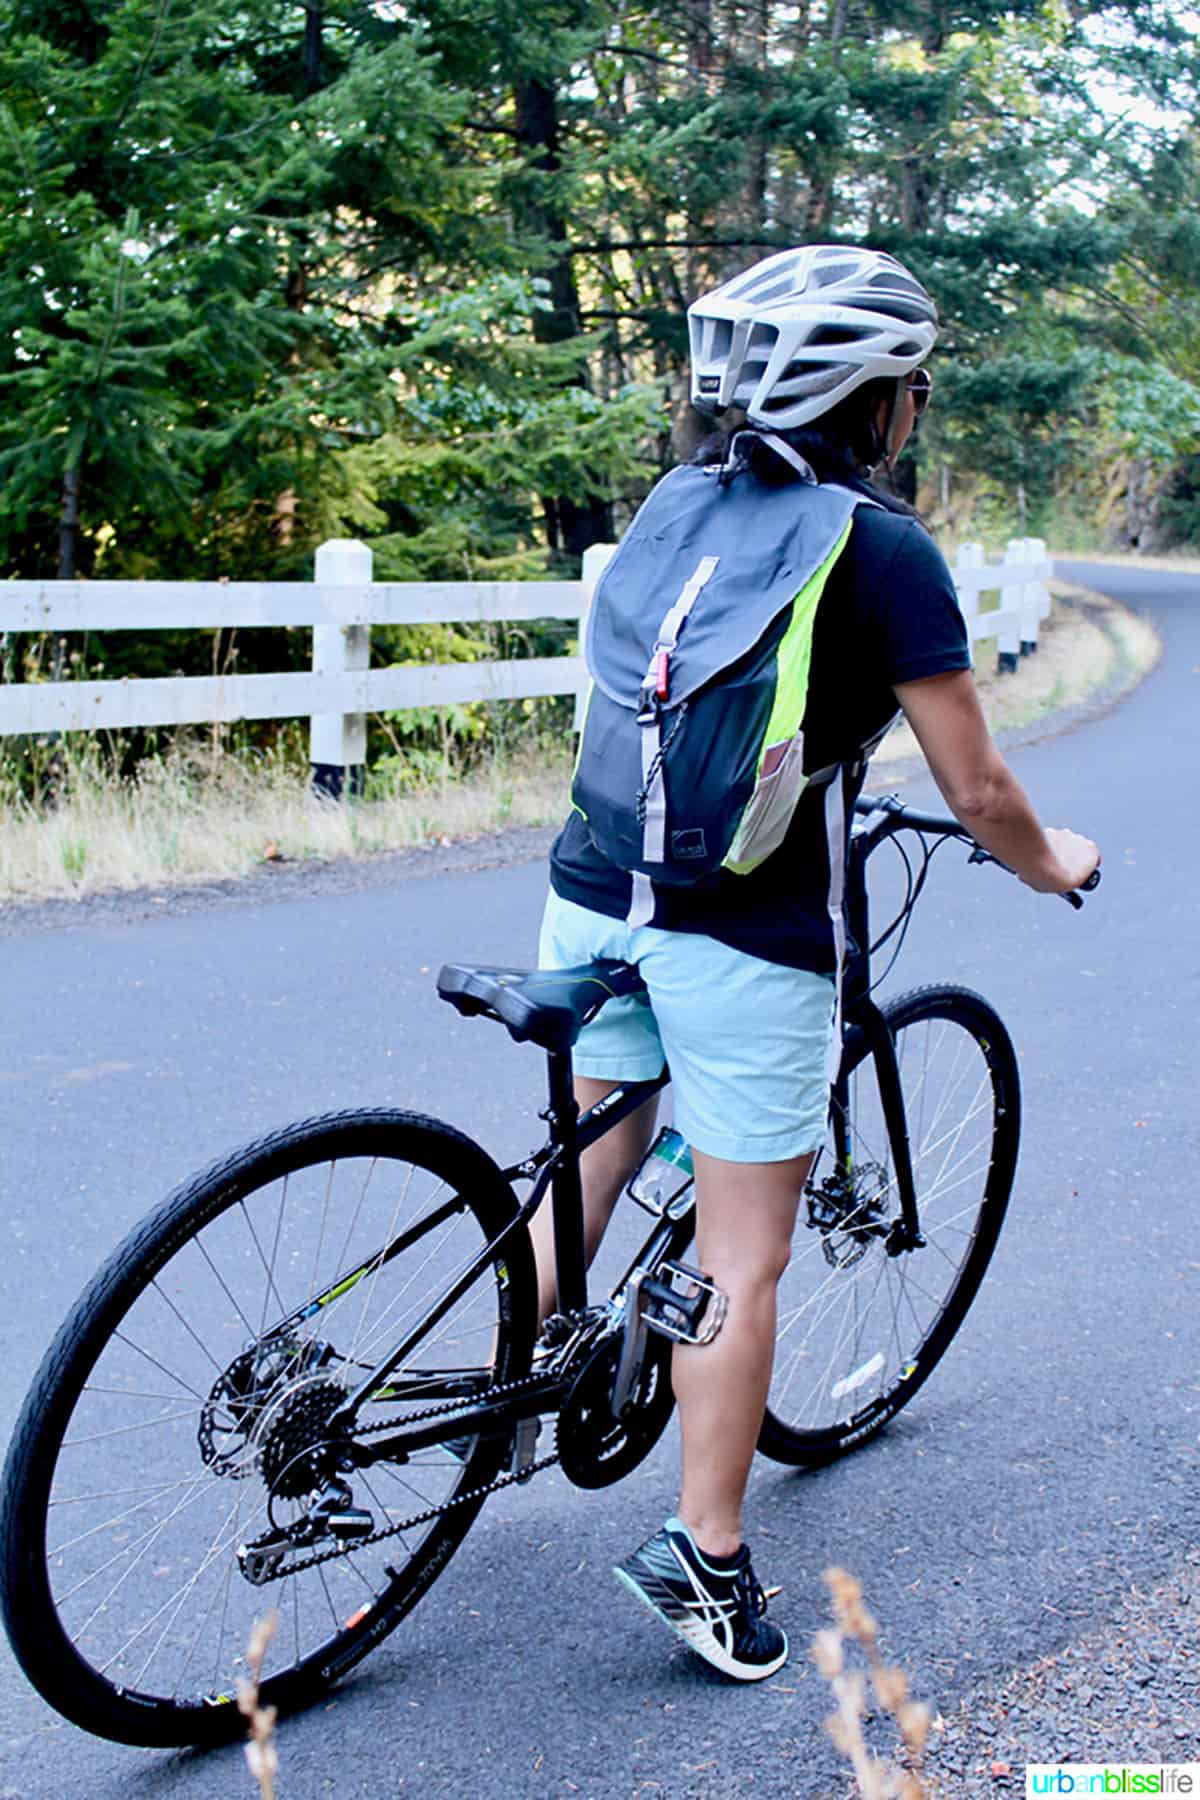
[
  {"x": 180, "y": 1417},
  {"x": 861, "y": 1329}
]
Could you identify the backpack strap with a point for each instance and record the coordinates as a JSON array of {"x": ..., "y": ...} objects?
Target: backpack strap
[
  {"x": 652, "y": 796},
  {"x": 835, "y": 838}
]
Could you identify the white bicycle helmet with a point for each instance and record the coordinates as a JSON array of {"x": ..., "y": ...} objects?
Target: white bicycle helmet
[{"x": 791, "y": 336}]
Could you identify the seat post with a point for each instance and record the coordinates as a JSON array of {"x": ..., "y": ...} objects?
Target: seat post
[{"x": 570, "y": 1260}]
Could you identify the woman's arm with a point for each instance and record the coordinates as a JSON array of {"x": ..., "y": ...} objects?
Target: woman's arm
[{"x": 981, "y": 790}]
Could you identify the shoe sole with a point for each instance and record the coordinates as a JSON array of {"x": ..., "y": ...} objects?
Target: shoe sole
[{"x": 711, "y": 1653}]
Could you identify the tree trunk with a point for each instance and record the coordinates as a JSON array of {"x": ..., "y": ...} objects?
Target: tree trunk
[
  {"x": 313, "y": 24},
  {"x": 68, "y": 526},
  {"x": 571, "y": 525}
]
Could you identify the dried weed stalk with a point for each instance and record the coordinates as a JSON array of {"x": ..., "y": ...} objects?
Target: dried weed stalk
[
  {"x": 876, "y": 1780},
  {"x": 260, "y": 1751}
]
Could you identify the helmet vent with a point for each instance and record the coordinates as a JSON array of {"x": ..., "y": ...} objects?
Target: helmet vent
[
  {"x": 772, "y": 290},
  {"x": 827, "y": 274},
  {"x": 721, "y": 341}
]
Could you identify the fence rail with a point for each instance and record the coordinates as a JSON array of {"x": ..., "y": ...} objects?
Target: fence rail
[{"x": 341, "y": 604}]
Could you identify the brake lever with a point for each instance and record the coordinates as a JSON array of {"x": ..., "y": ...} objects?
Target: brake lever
[{"x": 1074, "y": 898}]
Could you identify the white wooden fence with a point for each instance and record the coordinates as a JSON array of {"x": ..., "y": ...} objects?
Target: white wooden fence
[{"x": 341, "y": 604}]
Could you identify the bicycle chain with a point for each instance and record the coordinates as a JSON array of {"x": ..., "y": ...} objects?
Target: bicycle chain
[{"x": 433, "y": 1512}]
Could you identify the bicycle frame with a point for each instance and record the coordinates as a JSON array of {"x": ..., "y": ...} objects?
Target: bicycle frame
[
  {"x": 862, "y": 1015},
  {"x": 555, "y": 1166}
]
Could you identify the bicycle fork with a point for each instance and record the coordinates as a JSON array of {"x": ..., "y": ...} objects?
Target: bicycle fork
[{"x": 905, "y": 1233}]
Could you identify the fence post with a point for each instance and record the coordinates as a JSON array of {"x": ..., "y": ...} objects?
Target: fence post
[
  {"x": 1012, "y": 606},
  {"x": 1041, "y": 587},
  {"x": 970, "y": 557},
  {"x": 1030, "y": 595},
  {"x": 338, "y": 741},
  {"x": 596, "y": 559}
]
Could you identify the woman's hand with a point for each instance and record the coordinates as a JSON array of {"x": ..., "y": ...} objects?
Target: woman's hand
[{"x": 1077, "y": 856}]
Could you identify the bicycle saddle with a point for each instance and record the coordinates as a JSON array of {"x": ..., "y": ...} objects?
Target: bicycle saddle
[{"x": 549, "y": 1007}]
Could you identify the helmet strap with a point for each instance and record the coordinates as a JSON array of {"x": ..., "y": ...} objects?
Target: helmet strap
[
  {"x": 890, "y": 448},
  {"x": 736, "y": 457}
]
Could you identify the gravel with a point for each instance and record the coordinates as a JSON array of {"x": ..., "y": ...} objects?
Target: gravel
[{"x": 1126, "y": 1692}]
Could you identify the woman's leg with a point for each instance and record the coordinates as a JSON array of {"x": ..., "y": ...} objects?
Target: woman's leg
[
  {"x": 604, "y": 1170},
  {"x": 745, "y": 1216}
]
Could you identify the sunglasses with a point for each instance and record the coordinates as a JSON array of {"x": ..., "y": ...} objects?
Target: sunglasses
[{"x": 920, "y": 386}]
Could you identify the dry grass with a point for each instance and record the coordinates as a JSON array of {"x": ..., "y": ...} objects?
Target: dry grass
[
  {"x": 191, "y": 818},
  {"x": 261, "y": 1754},
  {"x": 1081, "y": 651},
  {"x": 875, "y": 1778},
  {"x": 197, "y": 816}
]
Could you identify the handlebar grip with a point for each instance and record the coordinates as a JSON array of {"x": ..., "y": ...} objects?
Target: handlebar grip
[{"x": 1075, "y": 898}]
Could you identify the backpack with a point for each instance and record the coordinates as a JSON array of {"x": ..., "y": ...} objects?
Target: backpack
[{"x": 699, "y": 643}]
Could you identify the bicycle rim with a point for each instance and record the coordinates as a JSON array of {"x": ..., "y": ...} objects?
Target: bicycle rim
[
  {"x": 859, "y": 1329},
  {"x": 170, "y": 1423}
]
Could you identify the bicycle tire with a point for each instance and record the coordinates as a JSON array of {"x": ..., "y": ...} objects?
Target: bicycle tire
[
  {"x": 168, "y": 1609},
  {"x": 859, "y": 1331}
]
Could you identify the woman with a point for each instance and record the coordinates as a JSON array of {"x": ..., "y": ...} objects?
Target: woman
[{"x": 823, "y": 348}]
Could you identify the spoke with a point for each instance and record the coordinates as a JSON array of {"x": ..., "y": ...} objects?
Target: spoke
[
  {"x": 140, "y": 1545},
  {"x": 388, "y": 1324},
  {"x": 325, "y": 1209},
  {"x": 148, "y": 1499},
  {"x": 271, "y": 1288},
  {"x": 91, "y": 1387},
  {"x": 852, "y": 1323},
  {"x": 178, "y": 1597},
  {"x": 218, "y": 1672},
  {"x": 903, "y": 1284},
  {"x": 223, "y": 1285},
  {"x": 220, "y": 1593},
  {"x": 162, "y": 1367},
  {"x": 118, "y": 1494},
  {"x": 357, "y": 1214},
  {"x": 333, "y": 1612},
  {"x": 199, "y": 1341},
  {"x": 274, "y": 1255},
  {"x": 371, "y": 1282},
  {"x": 98, "y": 1437}
]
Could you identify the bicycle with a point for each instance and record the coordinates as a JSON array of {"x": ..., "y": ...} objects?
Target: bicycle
[{"x": 301, "y": 1376}]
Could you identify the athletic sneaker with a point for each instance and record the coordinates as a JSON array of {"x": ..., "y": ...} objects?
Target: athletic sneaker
[{"x": 719, "y": 1612}]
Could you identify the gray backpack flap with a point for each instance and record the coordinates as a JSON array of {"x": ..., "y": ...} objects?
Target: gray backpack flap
[{"x": 698, "y": 644}]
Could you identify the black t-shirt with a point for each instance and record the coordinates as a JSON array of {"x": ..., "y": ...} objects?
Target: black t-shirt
[{"x": 889, "y": 614}]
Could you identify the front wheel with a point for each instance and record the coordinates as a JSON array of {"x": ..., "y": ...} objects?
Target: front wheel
[
  {"x": 861, "y": 1329},
  {"x": 179, "y": 1420}
]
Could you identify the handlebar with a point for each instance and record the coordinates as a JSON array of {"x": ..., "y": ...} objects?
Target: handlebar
[{"x": 885, "y": 814}]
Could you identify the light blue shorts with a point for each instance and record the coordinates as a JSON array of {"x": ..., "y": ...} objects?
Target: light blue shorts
[{"x": 746, "y": 1040}]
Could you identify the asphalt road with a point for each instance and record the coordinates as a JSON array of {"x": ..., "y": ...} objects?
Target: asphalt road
[{"x": 1044, "y": 1474}]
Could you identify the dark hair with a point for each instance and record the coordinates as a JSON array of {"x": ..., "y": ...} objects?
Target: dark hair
[{"x": 844, "y": 444}]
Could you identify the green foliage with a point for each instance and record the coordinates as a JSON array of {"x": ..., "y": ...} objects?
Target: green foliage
[{"x": 272, "y": 273}]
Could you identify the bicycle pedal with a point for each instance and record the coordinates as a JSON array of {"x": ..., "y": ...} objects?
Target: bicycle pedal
[
  {"x": 525, "y": 1447},
  {"x": 691, "y": 1312}
]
